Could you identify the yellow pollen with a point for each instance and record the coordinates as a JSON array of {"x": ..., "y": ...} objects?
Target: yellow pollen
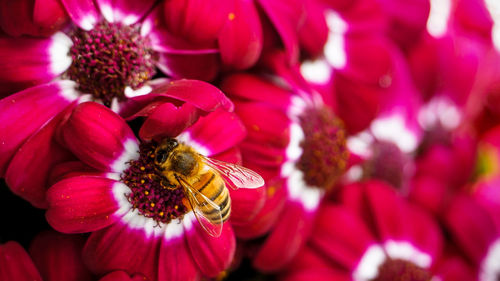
[
  {"x": 142, "y": 168},
  {"x": 146, "y": 192},
  {"x": 176, "y": 207},
  {"x": 152, "y": 204},
  {"x": 231, "y": 16},
  {"x": 161, "y": 214},
  {"x": 142, "y": 181},
  {"x": 270, "y": 191}
]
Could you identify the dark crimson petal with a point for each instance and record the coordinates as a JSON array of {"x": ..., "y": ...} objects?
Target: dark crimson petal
[
  {"x": 193, "y": 65},
  {"x": 241, "y": 39},
  {"x": 121, "y": 247},
  {"x": 323, "y": 274},
  {"x": 16, "y": 17},
  {"x": 26, "y": 112},
  {"x": 49, "y": 15},
  {"x": 212, "y": 255},
  {"x": 59, "y": 257},
  {"x": 99, "y": 137},
  {"x": 83, "y": 204},
  {"x": 15, "y": 264},
  {"x": 28, "y": 172},
  {"x": 313, "y": 33}
]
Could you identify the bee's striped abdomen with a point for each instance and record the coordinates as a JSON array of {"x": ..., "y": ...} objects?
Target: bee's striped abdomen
[{"x": 212, "y": 186}]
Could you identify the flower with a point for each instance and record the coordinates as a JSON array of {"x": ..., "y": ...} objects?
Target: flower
[
  {"x": 373, "y": 234},
  {"x": 28, "y": 148},
  {"x": 116, "y": 193},
  {"x": 52, "y": 256},
  {"x": 297, "y": 144}
]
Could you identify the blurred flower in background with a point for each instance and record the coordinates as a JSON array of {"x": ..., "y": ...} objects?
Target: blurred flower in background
[{"x": 374, "y": 123}]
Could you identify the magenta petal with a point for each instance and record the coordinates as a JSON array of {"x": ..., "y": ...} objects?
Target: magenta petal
[
  {"x": 82, "y": 12},
  {"x": 203, "y": 66},
  {"x": 168, "y": 120},
  {"x": 59, "y": 256},
  {"x": 124, "y": 11},
  {"x": 425, "y": 233},
  {"x": 122, "y": 276},
  {"x": 28, "y": 172},
  {"x": 15, "y": 264},
  {"x": 286, "y": 17},
  {"x": 120, "y": 248},
  {"x": 314, "y": 32},
  {"x": 24, "y": 113},
  {"x": 471, "y": 227},
  {"x": 203, "y": 95},
  {"x": 15, "y": 17},
  {"x": 194, "y": 20},
  {"x": 50, "y": 15},
  {"x": 32, "y": 61},
  {"x": 287, "y": 237},
  {"x": 342, "y": 245},
  {"x": 241, "y": 39},
  {"x": 99, "y": 137},
  {"x": 82, "y": 204},
  {"x": 246, "y": 203},
  {"x": 212, "y": 255},
  {"x": 176, "y": 262},
  {"x": 217, "y": 131},
  {"x": 323, "y": 274}
]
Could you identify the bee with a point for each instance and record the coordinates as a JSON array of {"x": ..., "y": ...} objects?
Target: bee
[{"x": 204, "y": 181}]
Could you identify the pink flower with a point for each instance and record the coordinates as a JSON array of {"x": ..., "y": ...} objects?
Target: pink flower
[
  {"x": 28, "y": 149},
  {"x": 116, "y": 194},
  {"x": 52, "y": 256},
  {"x": 373, "y": 234},
  {"x": 297, "y": 144}
]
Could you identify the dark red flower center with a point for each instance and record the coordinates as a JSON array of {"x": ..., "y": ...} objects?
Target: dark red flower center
[
  {"x": 401, "y": 270},
  {"x": 152, "y": 194},
  {"x": 324, "y": 155},
  {"x": 109, "y": 58},
  {"x": 387, "y": 163}
]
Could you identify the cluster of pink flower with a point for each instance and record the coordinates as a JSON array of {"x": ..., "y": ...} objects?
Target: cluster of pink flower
[{"x": 375, "y": 125}]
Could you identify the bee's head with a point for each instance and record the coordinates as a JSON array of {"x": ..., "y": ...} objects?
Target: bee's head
[{"x": 164, "y": 149}]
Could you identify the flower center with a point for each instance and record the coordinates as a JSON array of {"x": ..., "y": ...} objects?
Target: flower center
[
  {"x": 109, "y": 58},
  {"x": 152, "y": 194},
  {"x": 386, "y": 163},
  {"x": 324, "y": 155},
  {"x": 401, "y": 270}
]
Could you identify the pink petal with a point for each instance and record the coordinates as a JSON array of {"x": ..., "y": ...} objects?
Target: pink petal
[
  {"x": 241, "y": 39},
  {"x": 28, "y": 171},
  {"x": 286, "y": 238},
  {"x": 168, "y": 120},
  {"x": 72, "y": 169},
  {"x": 59, "y": 257},
  {"x": 176, "y": 262},
  {"x": 82, "y": 204},
  {"x": 203, "y": 66},
  {"x": 50, "y": 15},
  {"x": 124, "y": 11},
  {"x": 217, "y": 131},
  {"x": 82, "y": 12},
  {"x": 32, "y": 61},
  {"x": 246, "y": 203},
  {"x": 99, "y": 137},
  {"x": 203, "y": 95},
  {"x": 286, "y": 17},
  {"x": 251, "y": 87},
  {"x": 267, "y": 217},
  {"x": 15, "y": 264},
  {"x": 456, "y": 269},
  {"x": 344, "y": 245},
  {"x": 118, "y": 247},
  {"x": 122, "y": 276},
  {"x": 24, "y": 113},
  {"x": 313, "y": 33},
  {"x": 165, "y": 42},
  {"x": 212, "y": 255},
  {"x": 195, "y": 20},
  {"x": 425, "y": 232},
  {"x": 471, "y": 226}
]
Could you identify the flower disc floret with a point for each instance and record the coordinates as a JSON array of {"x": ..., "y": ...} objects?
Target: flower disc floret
[
  {"x": 324, "y": 156},
  {"x": 109, "y": 58},
  {"x": 401, "y": 270},
  {"x": 152, "y": 194}
]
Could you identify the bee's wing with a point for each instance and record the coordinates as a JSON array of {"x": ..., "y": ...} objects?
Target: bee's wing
[
  {"x": 211, "y": 221},
  {"x": 235, "y": 176}
]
